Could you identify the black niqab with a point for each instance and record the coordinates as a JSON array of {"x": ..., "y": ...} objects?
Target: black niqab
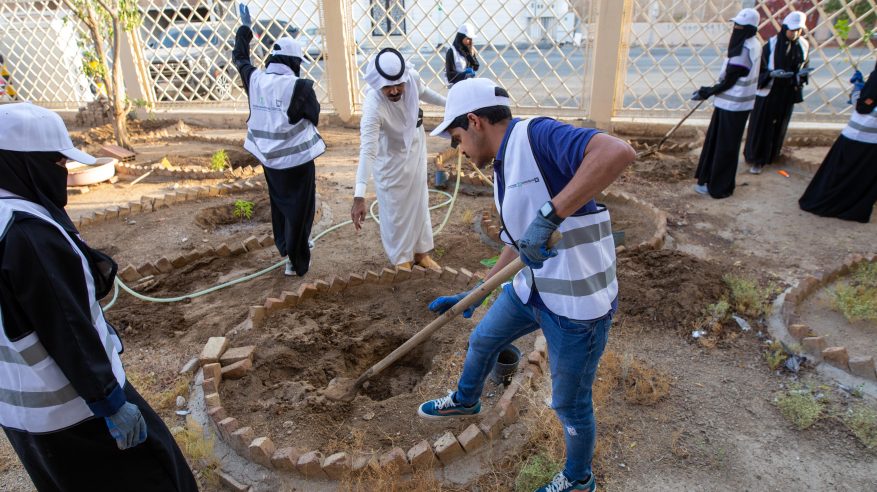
[
  {"x": 37, "y": 177},
  {"x": 292, "y": 62},
  {"x": 464, "y": 50},
  {"x": 738, "y": 37},
  {"x": 787, "y": 55}
]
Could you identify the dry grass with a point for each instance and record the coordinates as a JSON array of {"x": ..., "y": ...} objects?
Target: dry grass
[
  {"x": 856, "y": 299},
  {"x": 468, "y": 216},
  {"x": 749, "y": 298},
  {"x": 644, "y": 385},
  {"x": 160, "y": 393},
  {"x": 799, "y": 406},
  {"x": 862, "y": 422},
  {"x": 198, "y": 449}
]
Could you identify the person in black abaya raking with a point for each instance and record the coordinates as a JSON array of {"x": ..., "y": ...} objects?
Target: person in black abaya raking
[
  {"x": 74, "y": 420},
  {"x": 780, "y": 86},
  {"x": 735, "y": 98},
  {"x": 845, "y": 186}
]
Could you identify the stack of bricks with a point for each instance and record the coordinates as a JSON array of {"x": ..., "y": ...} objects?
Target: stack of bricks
[
  {"x": 819, "y": 347},
  {"x": 95, "y": 113},
  {"x": 315, "y": 464}
]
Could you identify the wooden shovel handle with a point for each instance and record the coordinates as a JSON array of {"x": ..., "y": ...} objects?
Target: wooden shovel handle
[{"x": 474, "y": 295}]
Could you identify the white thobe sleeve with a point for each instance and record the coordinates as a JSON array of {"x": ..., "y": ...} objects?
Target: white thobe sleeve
[
  {"x": 369, "y": 134},
  {"x": 430, "y": 96}
]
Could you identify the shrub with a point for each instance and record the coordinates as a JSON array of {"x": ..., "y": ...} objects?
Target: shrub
[
  {"x": 800, "y": 407},
  {"x": 243, "y": 209},
  {"x": 219, "y": 161}
]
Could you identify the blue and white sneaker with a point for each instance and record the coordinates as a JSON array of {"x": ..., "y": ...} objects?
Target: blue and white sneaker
[
  {"x": 562, "y": 484},
  {"x": 447, "y": 407},
  {"x": 701, "y": 189}
]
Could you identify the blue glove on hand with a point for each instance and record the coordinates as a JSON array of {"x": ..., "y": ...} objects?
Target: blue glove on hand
[
  {"x": 245, "y": 15},
  {"x": 533, "y": 247},
  {"x": 781, "y": 74},
  {"x": 857, "y": 78},
  {"x": 469, "y": 72},
  {"x": 443, "y": 303},
  {"x": 127, "y": 426}
]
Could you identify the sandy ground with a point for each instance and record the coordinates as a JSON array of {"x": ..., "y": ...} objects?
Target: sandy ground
[{"x": 718, "y": 428}]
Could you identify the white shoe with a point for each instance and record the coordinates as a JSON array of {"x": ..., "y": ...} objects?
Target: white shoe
[
  {"x": 311, "y": 244},
  {"x": 756, "y": 169},
  {"x": 701, "y": 189},
  {"x": 289, "y": 271}
]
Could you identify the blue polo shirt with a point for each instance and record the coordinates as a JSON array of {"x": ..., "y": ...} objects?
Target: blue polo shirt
[{"x": 559, "y": 149}]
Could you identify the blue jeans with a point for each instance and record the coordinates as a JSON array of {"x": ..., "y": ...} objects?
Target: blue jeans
[{"x": 574, "y": 350}]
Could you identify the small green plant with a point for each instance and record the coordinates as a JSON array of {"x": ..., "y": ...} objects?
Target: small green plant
[
  {"x": 775, "y": 355},
  {"x": 720, "y": 312},
  {"x": 536, "y": 471},
  {"x": 747, "y": 297},
  {"x": 219, "y": 160},
  {"x": 857, "y": 299},
  {"x": 799, "y": 406},
  {"x": 862, "y": 422},
  {"x": 243, "y": 209},
  {"x": 440, "y": 251}
]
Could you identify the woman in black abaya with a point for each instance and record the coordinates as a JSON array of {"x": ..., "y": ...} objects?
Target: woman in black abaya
[{"x": 845, "y": 186}]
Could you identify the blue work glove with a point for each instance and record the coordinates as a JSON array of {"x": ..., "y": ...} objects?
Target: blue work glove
[
  {"x": 245, "y": 15},
  {"x": 858, "y": 81},
  {"x": 857, "y": 78},
  {"x": 533, "y": 247},
  {"x": 443, "y": 303},
  {"x": 781, "y": 74},
  {"x": 127, "y": 426},
  {"x": 469, "y": 72}
]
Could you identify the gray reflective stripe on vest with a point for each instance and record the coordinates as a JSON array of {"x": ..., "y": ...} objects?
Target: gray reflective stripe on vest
[
  {"x": 38, "y": 399},
  {"x": 855, "y": 125},
  {"x": 585, "y": 235},
  {"x": 295, "y": 149},
  {"x": 295, "y": 130},
  {"x": 739, "y": 99},
  {"x": 30, "y": 356},
  {"x": 578, "y": 288}
]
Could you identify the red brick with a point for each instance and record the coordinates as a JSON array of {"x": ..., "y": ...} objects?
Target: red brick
[
  {"x": 217, "y": 414},
  {"x": 213, "y": 371},
  {"x": 237, "y": 249},
  {"x": 863, "y": 367},
  {"x": 223, "y": 250},
  {"x": 448, "y": 449},
  {"x": 508, "y": 410},
  {"x": 402, "y": 274},
  {"x": 213, "y": 350},
  {"x": 837, "y": 356},
  {"x": 418, "y": 271},
  {"x": 266, "y": 241},
  {"x": 321, "y": 285},
  {"x": 337, "y": 466},
  {"x": 464, "y": 278},
  {"x": 273, "y": 304},
  {"x": 491, "y": 425},
  {"x": 210, "y": 385},
  {"x": 237, "y": 370},
  {"x": 306, "y": 291},
  {"x": 212, "y": 400},
  {"x": 252, "y": 244},
  {"x": 261, "y": 450},
  {"x": 355, "y": 279},
  {"x": 227, "y": 426},
  {"x": 371, "y": 277},
  {"x": 387, "y": 276},
  {"x": 421, "y": 456},
  {"x": 337, "y": 285},
  {"x": 311, "y": 465},
  {"x": 289, "y": 299},
  {"x": 395, "y": 462},
  {"x": 287, "y": 458},
  {"x": 236, "y": 354},
  {"x": 471, "y": 438},
  {"x": 257, "y": 314},
  {"x": 147, "y": 269},
  {"x": 448, "y": 274},
  {"x": 230, "y": 482},
  {"x": 129, "y": 274},
  {"x": 241, "y": 439},
  {"x": 814, "y": 346},
  {"x": 799, "y": 331}
]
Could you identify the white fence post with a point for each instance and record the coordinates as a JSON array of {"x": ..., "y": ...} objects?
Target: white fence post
[
  {"x": 339, "y": 59},
  {"x": 138, "y": 85},
  {"x": 610, "y": 55}
]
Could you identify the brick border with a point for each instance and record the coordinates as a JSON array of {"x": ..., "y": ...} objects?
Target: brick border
[
  {"x": 659, "y": 221},
  {"x": 815, "y": 345},
  {"x": 669, "y": 147},
  {"x": 315, "y": 464}
]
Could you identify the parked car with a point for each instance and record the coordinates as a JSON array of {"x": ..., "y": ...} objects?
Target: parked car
[{"x": 191, "y": 63}]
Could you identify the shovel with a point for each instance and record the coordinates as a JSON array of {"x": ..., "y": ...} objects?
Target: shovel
[
  {"x": 656, "y": 148},
  {"x": 345, "y": 389}
]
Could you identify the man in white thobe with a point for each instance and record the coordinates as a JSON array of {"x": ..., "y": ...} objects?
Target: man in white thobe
[{"x": 393, "y": 148}]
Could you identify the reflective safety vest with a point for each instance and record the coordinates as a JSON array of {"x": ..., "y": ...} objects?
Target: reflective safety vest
[
  {"x": 579, "y": 283},
  {"x": 805, "y": 48},
  {"x": 35, "y": 396},
  {"x": 270, "y": 137},
  {"x": 741, "y": 96},
  {"x": 862, "y": 127}
]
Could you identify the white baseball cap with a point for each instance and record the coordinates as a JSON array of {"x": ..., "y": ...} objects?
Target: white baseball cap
[
  {"x": 467, "y": 30},
  {"x": 288, "y": 46},
  {"x": 747, "y": 17},
  {"x": 26, "y": 127},
  {"x": 795, "y": 20},
  {"x": 467, "y": 96}
]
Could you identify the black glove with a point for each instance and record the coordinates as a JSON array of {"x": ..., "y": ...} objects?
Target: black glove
[{"x": 702, "y": 94}]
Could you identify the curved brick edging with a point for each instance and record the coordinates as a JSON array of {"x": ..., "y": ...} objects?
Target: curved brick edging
[
  {"x": 658, "y": 216},
  {"x": 669, "y": 146},
  {"x": 817, "y": 346},
  {"x": 315, "y": 464}
]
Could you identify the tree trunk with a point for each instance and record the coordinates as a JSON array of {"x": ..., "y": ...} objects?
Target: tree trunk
[
  {"x": 97, "y": 37},
  {"x": 120, "y": 103}
]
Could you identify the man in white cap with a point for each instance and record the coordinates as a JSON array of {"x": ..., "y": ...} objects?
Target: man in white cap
[
  {"x": 784, "y": 73},
  {"x": 282, "y": 134},
  {"x": 546, "y": 176},
  {"x": 735, "y": 98},
  {"x": 461, "y": 62},
  {"x": 65, "y": 404},
  {"x": 393, "y": 148}
]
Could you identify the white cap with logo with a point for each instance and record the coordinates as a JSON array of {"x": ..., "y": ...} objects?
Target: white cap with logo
[
  {"x": 747, "y": 17},
  {"x": 795, "y": 21},
  {"x": 26, "y": 127},
  {"x": 287, "y": 46},
  {"x": 467, "y": 96}
]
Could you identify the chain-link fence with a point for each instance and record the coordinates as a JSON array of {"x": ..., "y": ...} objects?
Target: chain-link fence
[
  {"x": 677, "y": 46},
  {"x": 542, "y": 51}
]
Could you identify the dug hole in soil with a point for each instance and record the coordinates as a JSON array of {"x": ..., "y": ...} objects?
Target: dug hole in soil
[{"x": 300, "y": 351}]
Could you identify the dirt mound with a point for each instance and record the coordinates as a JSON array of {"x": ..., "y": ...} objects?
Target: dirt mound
[
  {"x": 236, "y": 159},
  {"x": 660, "y": 167},
  {"x": 667, "y": 290},
  {"x": 299, "y": 351},
  {"x": 104, "y": 134},
  {"x": 220, "y": 215}
]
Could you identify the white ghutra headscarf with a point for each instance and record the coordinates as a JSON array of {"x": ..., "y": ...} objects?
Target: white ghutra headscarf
[{"x": 387, "y": 68}]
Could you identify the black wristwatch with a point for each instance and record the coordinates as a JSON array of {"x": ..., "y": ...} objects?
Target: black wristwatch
[{"x": 549, "y": 213}]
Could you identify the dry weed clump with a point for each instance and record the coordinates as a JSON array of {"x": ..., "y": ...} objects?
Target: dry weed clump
[
  {"x": 800, "y": 406},
  {"x": 198, "y": 449},
  {"x": 644, "y": 385},
  {"x": 862, "y": 422}
]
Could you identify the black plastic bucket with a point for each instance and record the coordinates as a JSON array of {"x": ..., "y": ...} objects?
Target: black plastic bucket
[{"x": 506, "y": 365}]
